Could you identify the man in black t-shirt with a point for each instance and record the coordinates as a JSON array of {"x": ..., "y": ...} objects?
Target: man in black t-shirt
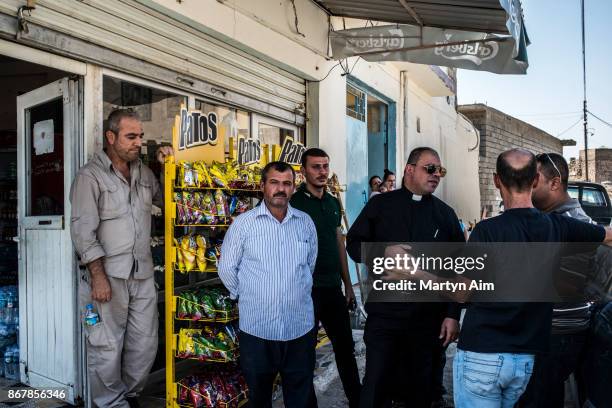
[{"x": 498, "y": 341}]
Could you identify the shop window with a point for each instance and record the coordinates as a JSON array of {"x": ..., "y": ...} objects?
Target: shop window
[
  {"x": 157, "y": 109},
  {"x": 355, "y": 103},
  {"x": 274, "y": 132},
  {"x": 232, "y": 122},
  {"x": 46, "y": 159}
]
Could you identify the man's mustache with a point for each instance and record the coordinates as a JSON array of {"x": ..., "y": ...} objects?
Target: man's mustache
[{"x": 280, "y": 195}]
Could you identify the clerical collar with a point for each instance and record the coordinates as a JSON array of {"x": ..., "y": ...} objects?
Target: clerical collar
[{"x": 414, "y": 197}]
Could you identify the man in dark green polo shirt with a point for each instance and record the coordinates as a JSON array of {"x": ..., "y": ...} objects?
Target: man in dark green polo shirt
[{"x": 331, "y": 269}]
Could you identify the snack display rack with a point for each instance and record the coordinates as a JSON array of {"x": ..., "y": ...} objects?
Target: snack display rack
[{"x": 177, "y": 324}]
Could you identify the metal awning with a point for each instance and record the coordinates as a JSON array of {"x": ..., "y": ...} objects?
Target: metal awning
[
  {"x": 470, "y": 15},
  {"x": 487, "y": 35}
]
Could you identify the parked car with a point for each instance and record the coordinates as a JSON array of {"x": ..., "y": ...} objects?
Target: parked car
[{"x": 594, "y": 200}]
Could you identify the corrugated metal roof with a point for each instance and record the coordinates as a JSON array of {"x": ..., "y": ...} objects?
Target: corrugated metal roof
[{"x": 471, "y": 15}]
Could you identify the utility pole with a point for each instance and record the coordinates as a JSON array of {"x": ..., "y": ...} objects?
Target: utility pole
[{"x": 584, "y": 104}]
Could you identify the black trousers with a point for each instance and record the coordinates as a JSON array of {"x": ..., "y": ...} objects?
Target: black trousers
[
  {"x": 331, "y": 310},
  {"x": 399, "y": 363},
  {"x": 261, "y": 360},
  {"x": 546, "y": 388}
]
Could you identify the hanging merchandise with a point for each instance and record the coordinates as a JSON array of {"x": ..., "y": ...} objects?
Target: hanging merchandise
[
  {"x": 202, "y": 200},
  {"x": 218, "y": 388}
]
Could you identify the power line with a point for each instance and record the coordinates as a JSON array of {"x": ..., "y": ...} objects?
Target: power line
[
  {"x": 569, "y": 128},
  {"x": 555, "y": 118},
  {"x": 573, "y": 113},
  {"x": 600, "y": 119},
  {"x": 325, "y": 77}
]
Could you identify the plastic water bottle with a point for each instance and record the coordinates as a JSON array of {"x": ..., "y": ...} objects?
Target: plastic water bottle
[
  {"x": 9, "y": 367},
  {"x": 91, "y": 317},
  {"x": 10, "y": 309},
  {"x": 2, "y": 308},
  {"x": 15, "y": 364}
]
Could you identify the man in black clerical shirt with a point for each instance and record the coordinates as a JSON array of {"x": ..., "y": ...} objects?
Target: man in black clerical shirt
[{"x": 404, "y": 341}]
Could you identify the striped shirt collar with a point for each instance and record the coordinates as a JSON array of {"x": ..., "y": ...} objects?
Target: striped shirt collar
[{"x": 262, "y": 210}]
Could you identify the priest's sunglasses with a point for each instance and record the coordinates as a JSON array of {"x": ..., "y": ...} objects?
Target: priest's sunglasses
[{"x": 432, "y": 169}]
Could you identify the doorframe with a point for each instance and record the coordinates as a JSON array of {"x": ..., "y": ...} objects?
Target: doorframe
[
  {"x": 391, "y": 118},
  {"x": 24, "y": 53}
]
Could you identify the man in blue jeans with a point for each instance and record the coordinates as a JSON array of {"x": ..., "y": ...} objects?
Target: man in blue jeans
[{"x": 499, "y": 341}]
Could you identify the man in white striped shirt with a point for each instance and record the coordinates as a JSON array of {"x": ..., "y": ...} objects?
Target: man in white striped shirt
[{"x": 267, "y": 260}]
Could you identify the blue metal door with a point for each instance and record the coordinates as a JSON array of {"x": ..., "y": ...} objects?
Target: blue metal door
[
  {"x": 356, "y": 167},
  {"x": 356, "y": 170},
  {"x": 377, "y": 137}
]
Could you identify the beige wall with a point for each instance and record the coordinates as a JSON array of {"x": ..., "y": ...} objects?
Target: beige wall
[
  {"x": 600, "y": 166},
  {"x": 267, "y": 29},
  {"x": 452, "y": 136},
  {"x": 263, "y": 28}
]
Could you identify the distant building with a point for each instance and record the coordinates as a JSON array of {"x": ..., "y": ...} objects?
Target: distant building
[
  {"x": 500, "y": 132},
  {"x": 600, "y": 166}
]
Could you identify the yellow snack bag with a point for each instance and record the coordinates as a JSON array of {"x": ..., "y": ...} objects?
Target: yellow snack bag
[
  {"x": 180, "y": 260},
  {"x": 203, "y": 175},
  {"x": 231, "y": 170},
  {"x": 201, "y": 241},
  {"x": 201, "y": 259},
  {"x": 185, "y": 242},
  {"x": 190, "y": 261},
  {"x": 218, "y": 175}
]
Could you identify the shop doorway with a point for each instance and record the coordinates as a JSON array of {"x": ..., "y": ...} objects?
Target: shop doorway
[
  {"x": 378, "y": 142},
  {"x": 370, "y": 139},
  {"x": 40, "y": 138},
  {"x": 370, "y": 135}
]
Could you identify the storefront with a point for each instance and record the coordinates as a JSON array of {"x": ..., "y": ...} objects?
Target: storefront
[{"x": 53, "y": 114}]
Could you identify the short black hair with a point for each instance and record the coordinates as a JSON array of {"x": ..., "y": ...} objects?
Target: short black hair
[
  {"x": 547, "y": 168},
  {"x": 278, "y": 166},
  {"x": 372, "y": 179},
  {"x": 387, "y": 174},
  {"x": 314, "y": 152},
  {"x": 520, "y": 179},
  {"x": 416, "y": 153}
]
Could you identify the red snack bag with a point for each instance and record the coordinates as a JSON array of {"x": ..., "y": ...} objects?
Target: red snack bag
[{"x": 207, "y": 391}]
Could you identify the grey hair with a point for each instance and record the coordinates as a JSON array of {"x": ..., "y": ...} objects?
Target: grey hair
[{"x": 114, "y": 118}]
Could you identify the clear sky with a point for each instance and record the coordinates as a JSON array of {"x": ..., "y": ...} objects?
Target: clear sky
[{"x": 550, "y": 95}]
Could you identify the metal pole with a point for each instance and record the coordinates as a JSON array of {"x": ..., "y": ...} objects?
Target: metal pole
[{"x": 584, "y": 104}]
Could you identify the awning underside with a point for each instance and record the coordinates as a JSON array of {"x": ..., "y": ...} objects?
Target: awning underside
[
  {"x": 485, "y": 35},
  {"x": 470, "y": 15}
]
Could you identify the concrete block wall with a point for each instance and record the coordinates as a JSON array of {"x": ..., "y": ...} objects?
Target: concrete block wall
[
  {"x": 500, "y": 132},
  {"x": 600, "y": 166}
]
